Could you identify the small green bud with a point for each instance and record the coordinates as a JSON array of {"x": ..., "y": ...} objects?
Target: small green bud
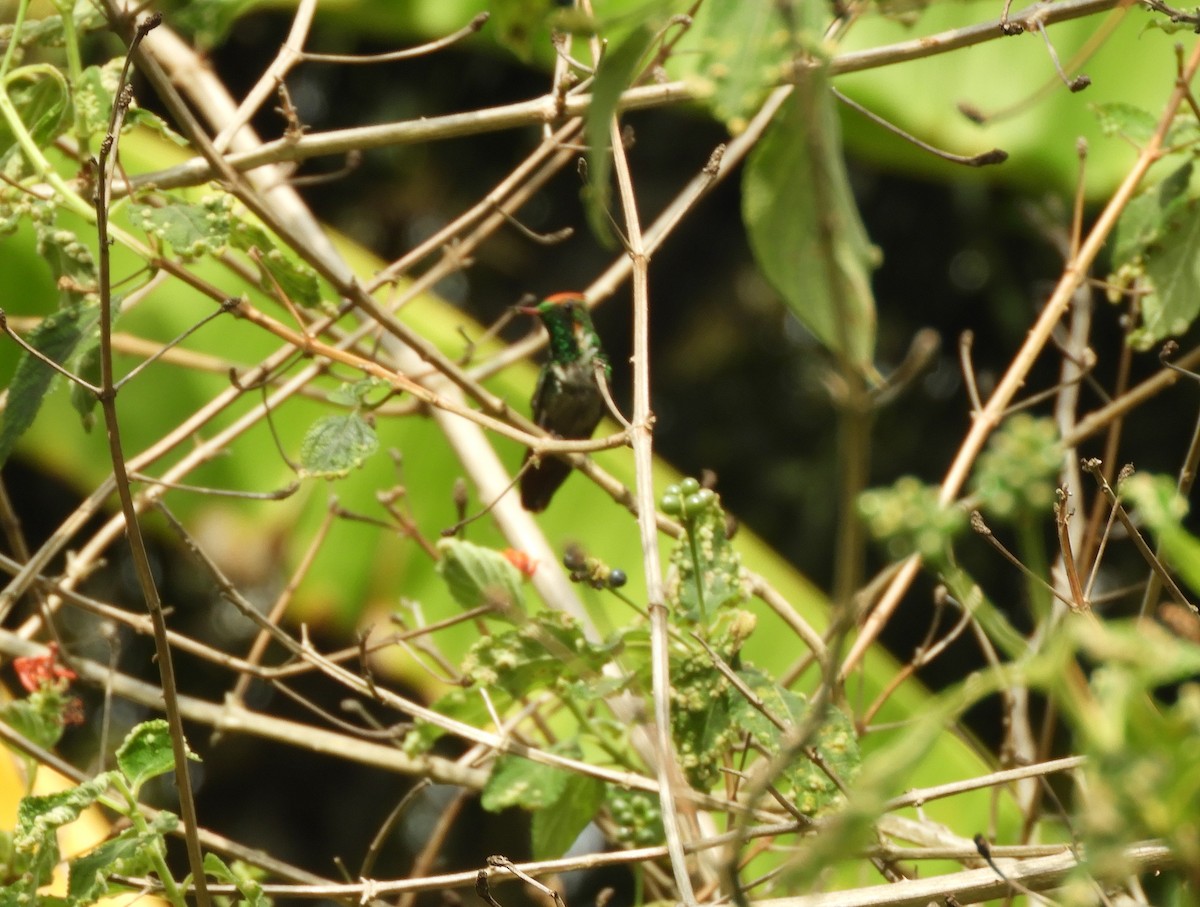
[{"x": 689, "y": 486}]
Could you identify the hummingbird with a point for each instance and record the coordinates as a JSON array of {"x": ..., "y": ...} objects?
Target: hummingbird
[{"x": 567, "y": 401}]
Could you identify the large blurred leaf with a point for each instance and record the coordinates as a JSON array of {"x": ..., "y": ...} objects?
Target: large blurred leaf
[
  {"x": 804, "y": 226},
  {"x": 617, "y": 70}
]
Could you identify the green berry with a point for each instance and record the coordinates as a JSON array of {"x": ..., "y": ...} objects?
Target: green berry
[{"x": 689, "y": 486}]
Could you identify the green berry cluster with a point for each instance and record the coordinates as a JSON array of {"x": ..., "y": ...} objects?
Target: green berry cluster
[
  {"x": 637, "y": 815},
  {"x": 1018, "y": 473},
  {"x": 687, "y": 500},
  {"x": 908, "y": 518}
]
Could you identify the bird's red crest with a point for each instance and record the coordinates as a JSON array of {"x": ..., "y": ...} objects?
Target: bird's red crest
[{"x": 563, "y": 298}]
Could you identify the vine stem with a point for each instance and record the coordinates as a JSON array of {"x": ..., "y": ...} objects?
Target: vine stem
[
  {"x": 992, "y": 413},
  {"x": 137, "y": 544}
]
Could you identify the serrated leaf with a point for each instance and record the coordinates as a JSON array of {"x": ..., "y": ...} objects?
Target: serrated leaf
[
  {"x": 811, "y": 789},
  {"x": 38, "y": 818},
  {"x": 334, "y": 445},
  {"x": 93, "y": 97},
  {"x": 39, "y": 716},
  {"x": 556, "y": 828},
  {"x": 72, "y": 264},
  {"x": 239, "y": 876},
  {"x": 706, "y": 571},
  {"x": 617, "y": 69},
  {"x": 128, "y": 854},
  {"x": 191, "y": 230},
  {"x": 516, "y": 781},
  {"x": 56, "y": 338},
  {"x": 547, "y": 652},
  {"x": 1128, "y": 120},
  {"x": 804, "y": 227},
  {"x": 1173, "y": 269},
  {"x": 297, "y": 280},
  {"x": 1148, "y": 216},
  {"x": 355, "y": 393},
  {"x": 146, "y": 753},
  {"x": 476, "y": 576}
]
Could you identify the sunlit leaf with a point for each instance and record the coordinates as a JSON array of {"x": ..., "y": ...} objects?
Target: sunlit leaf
[
  {"x": 147, "y": 753},
  {"x": 476, "y": 576},
  {"x": 294, "y": 278},
  {"x": 191, "y": 230},
  {"x": 516, "y": 781},
  {"x": 1126, "y": 120},
  {"x": 334, "y": 445}
]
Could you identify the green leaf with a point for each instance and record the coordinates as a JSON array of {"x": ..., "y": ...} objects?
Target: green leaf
[
  {"x": 618, "y": 67},
  {"x": 706, "y": 571},
  {"x": 557, "y": 827},
  {"x": 38, "y": 818},
  {"x": 1018, "y": 472},
  {"x": 1149, "y": 215},
  {"x": 804, "y": 228},
  {"x": 138, "y": 116},
  {"x": 210, "y": 20},
  {"x": 39, "y": 93},
  {"x": 56, "y": 338},
  {"x": 297, "y": 280},
  {"x": 1162, "y": 508},
  {"x": 71, "y": 263},
  {"x": 336, "y": 444},
  {"x": 240, "y": 875},
  {"x": 476, "y": 576},
  {"x": 745, "y": 50},
  {"x": 93, "y": 97},
  {"x": 146, "y": 753},
  {"x": 547, "y": 652},
  {"x": 129, "y": 854},
  {"x": 907, "y": 517},
  {"x": 516, "y": 781},
  {"x": 1120, "y": 119},
  {"x": 191, "y": 230},
  {"x": 467, "y": 706},
  {"x": 39, "y": 716},
  {"x": 519, "y": 23},
  {"x": 1173, "y": 268}
]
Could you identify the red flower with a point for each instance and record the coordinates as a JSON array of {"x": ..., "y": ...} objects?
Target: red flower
[
  {"x": 521, "y": 561},
  {"x": 36, "y": 671}
]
